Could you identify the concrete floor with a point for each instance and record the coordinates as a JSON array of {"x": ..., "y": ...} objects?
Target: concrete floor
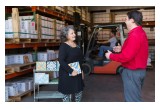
[{"x": 107, "y": 88}]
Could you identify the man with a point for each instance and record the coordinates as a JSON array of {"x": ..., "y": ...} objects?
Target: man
[
  {"x": 112, "y": 42},
  {"x": 133, "y": 56}
]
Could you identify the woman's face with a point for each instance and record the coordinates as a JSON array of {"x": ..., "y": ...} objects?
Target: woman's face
[{"x": 71, "y": 35}]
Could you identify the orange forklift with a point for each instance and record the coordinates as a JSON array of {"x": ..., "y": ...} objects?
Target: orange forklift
[{"x": 91, "y": 64}]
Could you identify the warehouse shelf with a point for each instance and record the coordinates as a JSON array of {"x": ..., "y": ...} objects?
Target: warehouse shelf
[
  {"x": 85, "y": 22},
  {"x": 53, "y": 81},
  {"x": 48, "y": 95},
  {"x": 144, "y": 23},
  {"x": 30, "y": 45},
  {"x": 148, "y": 23},
  {"x": 151, "y": 42},
  {"x": 19, "y": 96},
  {"x": 12, "y": 75},
  {"x": 45, "y": 11}
]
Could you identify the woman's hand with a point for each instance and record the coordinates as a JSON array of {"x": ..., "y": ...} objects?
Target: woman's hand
[
  {"x": 74, "y": 73},
  {"x": 82, "y": 75}
]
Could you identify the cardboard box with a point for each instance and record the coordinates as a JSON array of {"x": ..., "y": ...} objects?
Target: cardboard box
[
  {"x": 51, "y": 65},
  {"x": 18, "y": 59},
  {"x": 10, "y": 27},
  {"x": 6, "y": 93},
  {"x": 42, "y": 23},
  {"x": 41, "y": 78},
  {"x": 58, "y": 65},
  {"x": 22, "y": 86},
  {"x": 9, "y": 59},
  {"x": 6, "y": 24},
  {"x": 42, "y": 56},
  {"x": 40, "y": 66},
  {"x": 12, "y": 89},
  {"x": 30, "y": 84},
  {"x": 25, "y": 25}
]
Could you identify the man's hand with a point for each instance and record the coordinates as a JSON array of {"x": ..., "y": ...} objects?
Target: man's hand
[
  {"x": 98, "y": 42},
  {"x": 117, "y": 48},
  {"x": 107, "y": 54}
]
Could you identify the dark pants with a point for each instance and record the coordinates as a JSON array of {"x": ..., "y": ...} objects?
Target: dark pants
[{"x": 132, "y": 83}]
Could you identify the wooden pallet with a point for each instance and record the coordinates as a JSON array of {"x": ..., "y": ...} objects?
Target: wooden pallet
[
  {"x": 35, "y": 40},
  {"x": 18, "y": 98},
  {"x": 22, "y": 40},
  {"x": 10, "y": 100},
  {"x": 9, "y": 70},
  {"x": 9, "y": 40},
  {"x": 60, "y": 9},
  {"x": 25, "y": 40},
  {"x": 52, "y": 40},
  {"x": 44, "y": 40},
  {"x": 58, "y": 40},
  {"x": 149, "y": 67},
  {"x": 22, "y": 67}
]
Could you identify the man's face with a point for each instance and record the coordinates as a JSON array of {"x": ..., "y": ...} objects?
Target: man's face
[{"x": 128, "y": 21}]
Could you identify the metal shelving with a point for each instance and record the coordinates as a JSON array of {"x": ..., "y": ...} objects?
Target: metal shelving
[{"x": 45, "y": 94}]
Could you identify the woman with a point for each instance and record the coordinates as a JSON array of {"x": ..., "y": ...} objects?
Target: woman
[{"x": 70, "y": 82}]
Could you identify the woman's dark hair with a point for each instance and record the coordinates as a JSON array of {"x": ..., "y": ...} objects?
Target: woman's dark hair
[
  {"x": 136, "y": 15},
  {"x": 64, "y": 32}
]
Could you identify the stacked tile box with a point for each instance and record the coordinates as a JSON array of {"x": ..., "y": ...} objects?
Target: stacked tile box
[
  {"x": 148, "y": 15},
  {"x": 78, "y": 10},
  {"x": 26, "y": 29},
  {"x": 101, "y": 17},
  {"x": 104, "y": 34},
  {"x": 83, "y": 14},
  {"x": 18, "y": 86},
  {"x": 17, "y": 59},
  {"x": 70, "y": 10},
  {"x": 46, "y": 27},
  {"x": 59, "y": 26},
  {"x": 150, "y": 31},
  {"x": 49, "y": 55},
  {"x": 60, "y": 8}
]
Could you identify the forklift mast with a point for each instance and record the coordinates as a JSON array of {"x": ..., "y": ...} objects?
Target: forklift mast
[{"x": 82, "y": 37}]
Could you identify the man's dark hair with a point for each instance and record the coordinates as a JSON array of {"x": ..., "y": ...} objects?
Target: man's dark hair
[
  {"x": 136, "y": 15},
  {"x": 113, "y": 31}
]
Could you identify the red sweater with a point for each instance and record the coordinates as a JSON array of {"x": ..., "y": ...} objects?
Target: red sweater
[{"x": 134, "y": 52}]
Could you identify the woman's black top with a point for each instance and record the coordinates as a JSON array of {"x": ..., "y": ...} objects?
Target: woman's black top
[{"x": 69, "y": 84}]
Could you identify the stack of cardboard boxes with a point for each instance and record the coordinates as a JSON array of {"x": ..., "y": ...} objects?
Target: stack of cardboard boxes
[
  {"x": 17, "y": 59},
  {"x": 59, "y": 26},
  {"x": 101, "y": 17},
  {"x": 18, "y": 86},
  {"x": 27, "y": 28},
  {"x": 47, "y": 27}
]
